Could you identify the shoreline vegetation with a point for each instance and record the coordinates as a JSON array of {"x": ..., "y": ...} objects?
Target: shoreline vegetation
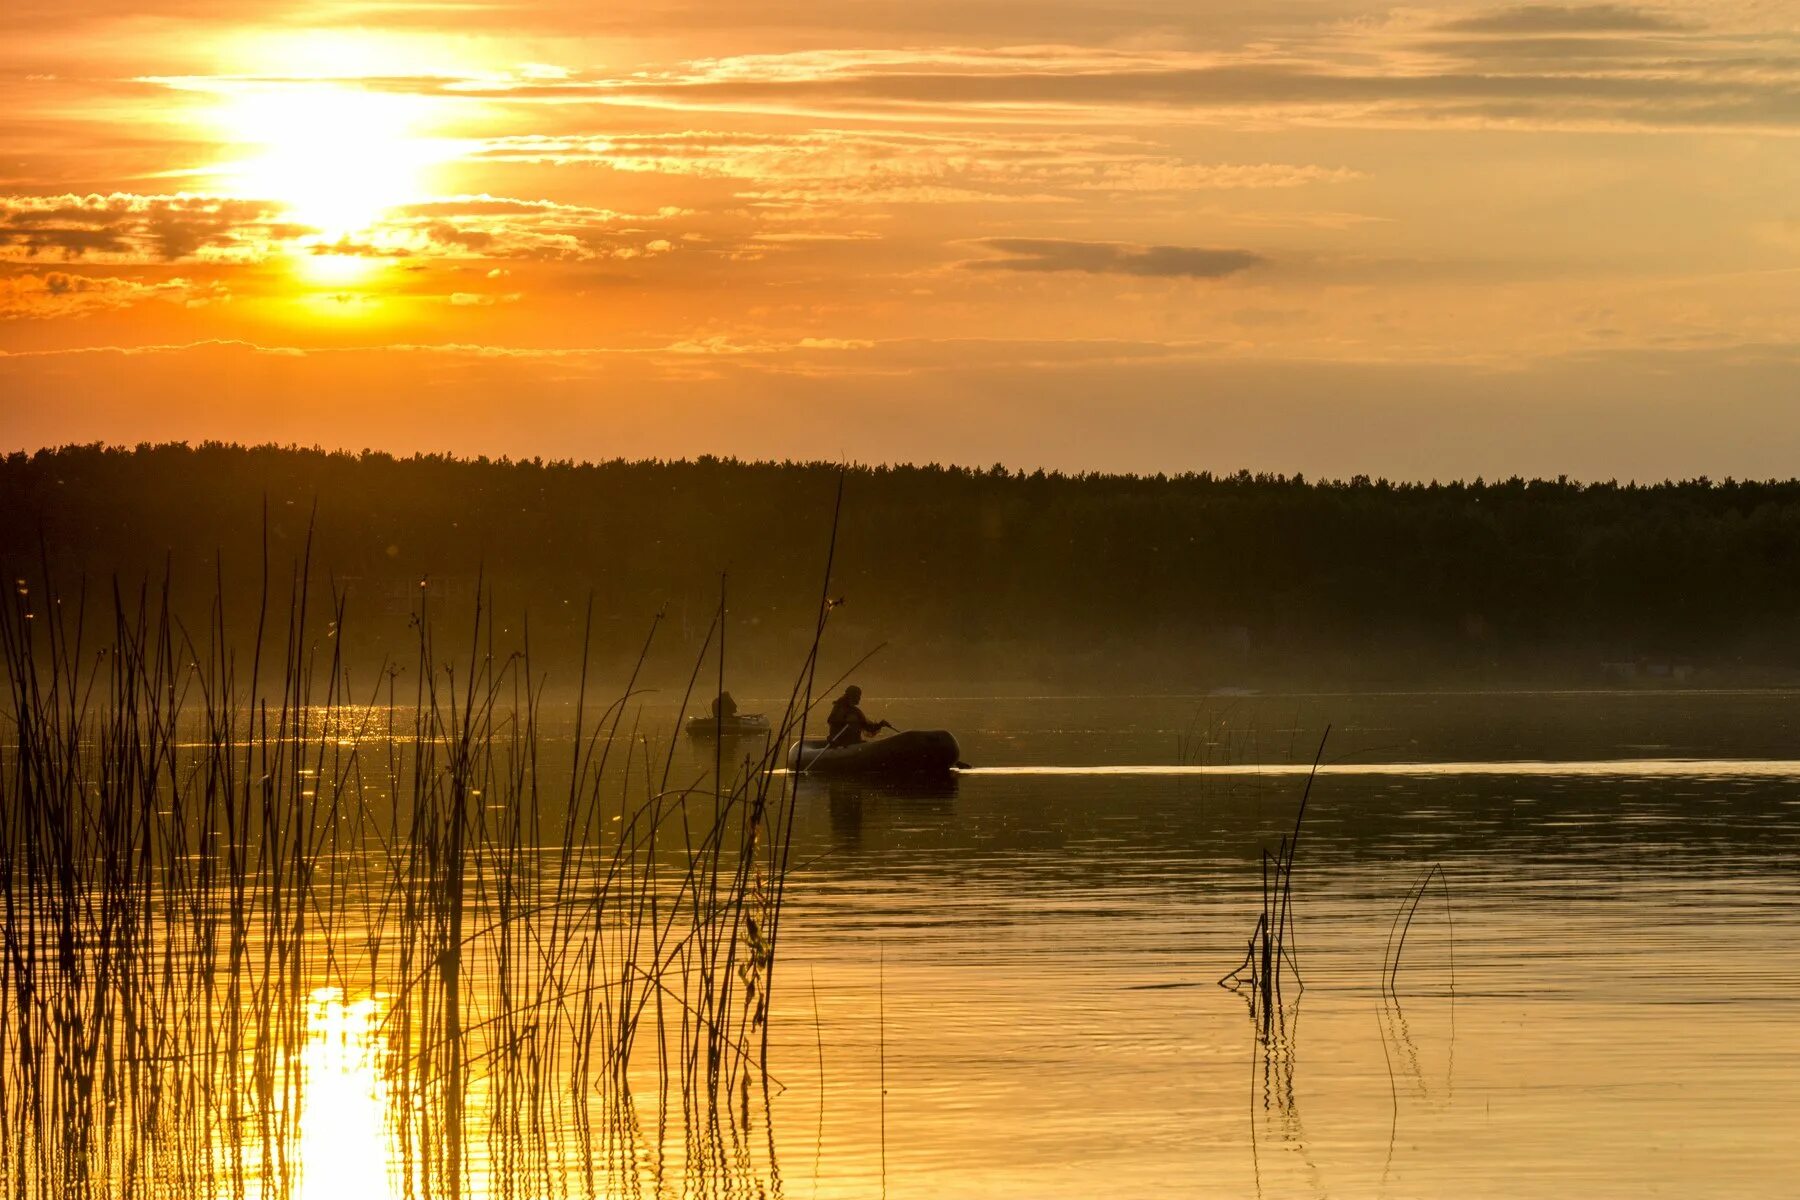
[
  {"x": 1040, "y": 581},
  {"x": 241, "y": 891}
]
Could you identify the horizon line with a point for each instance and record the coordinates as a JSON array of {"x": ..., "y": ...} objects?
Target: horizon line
[{"x": 997, "y": 470}]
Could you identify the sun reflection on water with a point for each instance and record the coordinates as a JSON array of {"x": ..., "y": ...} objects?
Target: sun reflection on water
[{"x": 344, "y": 1131}]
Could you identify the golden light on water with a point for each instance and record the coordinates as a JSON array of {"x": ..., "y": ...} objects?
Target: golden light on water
[{"x": 344, "y": 1138}]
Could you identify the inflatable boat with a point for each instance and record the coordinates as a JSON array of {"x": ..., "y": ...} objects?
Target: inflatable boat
[
  {"x": 914, "y": 752},
  {"x": 742, "y": 725}
]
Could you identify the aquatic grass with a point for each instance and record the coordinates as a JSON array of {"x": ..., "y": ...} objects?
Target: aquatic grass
[
  {"x": 1402, "y": 925},
  {"x": 1270, "y": 947},
  {"x": 207, "y": 833},
  {"x": 1396, "y": 1033}
]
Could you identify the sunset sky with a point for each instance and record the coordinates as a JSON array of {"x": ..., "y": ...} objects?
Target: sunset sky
[{"x": 1134, "y": 235}]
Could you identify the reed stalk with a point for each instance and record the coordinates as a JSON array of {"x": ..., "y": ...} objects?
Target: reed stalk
[{"x": 210, "y": 841}]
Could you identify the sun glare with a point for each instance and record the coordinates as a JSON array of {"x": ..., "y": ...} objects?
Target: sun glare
[
  {"x": 335, "y": 270},
  {"x": 344, "y": 1121},
  {"x": 335, "y": 156}
]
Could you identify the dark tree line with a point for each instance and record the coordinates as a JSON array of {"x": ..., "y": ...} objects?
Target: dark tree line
[{"x": 969, "y": 576}]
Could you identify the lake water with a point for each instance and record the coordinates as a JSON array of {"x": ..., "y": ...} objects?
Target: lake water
[
  {"x": 1606, "y": 1005},
  {"x": 1002, "y": 985}
]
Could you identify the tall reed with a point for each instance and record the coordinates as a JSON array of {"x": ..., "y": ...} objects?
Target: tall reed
[
  {"x": 1270, "y": 951},
  {"x": 209, "y": 836}
]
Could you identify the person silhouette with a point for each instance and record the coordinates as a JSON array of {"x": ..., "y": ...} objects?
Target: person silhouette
[{"x": 846, "y": 724}]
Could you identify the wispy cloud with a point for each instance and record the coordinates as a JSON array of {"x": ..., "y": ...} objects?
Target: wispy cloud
[
  {"x": 1568, "y": 18},
  {"x": 64, "y": 294},
  {"x": 483, "y": 299},
  {"x": 124, "y": 227},
  {"x": 1113, "y": 258},
  {"x": 689, "y": 189},
  {"x": 1665, "y": 75},
  {"x": 129, "y": 228},
  {"x": 484, "y": 226},
  {"x": 845, "y": 166}
]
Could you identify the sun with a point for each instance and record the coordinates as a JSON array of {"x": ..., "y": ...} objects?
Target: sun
[
  {"x": 335, "y": 270},
  {"x": 335, "y": 156}
]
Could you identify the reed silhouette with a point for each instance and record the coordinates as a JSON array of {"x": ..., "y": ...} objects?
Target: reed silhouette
[
  {"x": 209, "y": 837},
  {"x": 1270, "y": 952}
]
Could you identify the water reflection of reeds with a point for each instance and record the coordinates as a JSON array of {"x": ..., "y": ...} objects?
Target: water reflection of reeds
[{"x": 266, "y": 932}]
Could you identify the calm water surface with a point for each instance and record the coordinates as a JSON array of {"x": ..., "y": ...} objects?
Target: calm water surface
[{"x": 1027, "y": 960}]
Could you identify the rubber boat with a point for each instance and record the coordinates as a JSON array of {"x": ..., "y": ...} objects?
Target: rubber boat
[
  {"x": 913, "y": 752},
  {"x": 742, "y": 725}
]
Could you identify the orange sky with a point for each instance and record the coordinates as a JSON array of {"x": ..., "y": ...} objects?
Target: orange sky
[{"x": 1162, "y": 235}]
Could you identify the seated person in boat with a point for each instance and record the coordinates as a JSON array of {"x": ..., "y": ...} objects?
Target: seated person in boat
[
  {"x": 724, "y": 708},
  {"x": 846, "y": 724}
]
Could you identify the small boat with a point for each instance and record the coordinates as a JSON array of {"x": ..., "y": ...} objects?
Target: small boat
[
  {"x": 912, "y": 752},
  {"x": 740, "y": 725}
]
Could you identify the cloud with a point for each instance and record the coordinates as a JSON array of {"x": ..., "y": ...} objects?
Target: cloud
[
  {"x": 782, "y": 173},
  {"x": 502, "y": 227},
  {"x": 63, "y": 294},
  {"x": 484, "y": 205},
  {"x": 127, "y": 227},
  {"x": 1313, "y": 91},
  {"x": 1566, "y": 18},
  {"x": 848, "y": 162},
  {"x": 1666, "y": 76},
  {"x": 1114, "y": 258},
  {"x": 707, "y": 22},
  {"x": 1563, "y": 53}
]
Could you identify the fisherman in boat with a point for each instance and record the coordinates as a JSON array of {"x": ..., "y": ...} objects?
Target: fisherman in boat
[
  {"x": 724, "y": 708},
  {"x": 846, "y": 725}
]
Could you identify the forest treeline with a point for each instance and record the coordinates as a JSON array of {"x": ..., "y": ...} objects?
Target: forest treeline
[{"x": 972, "y": 578}]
